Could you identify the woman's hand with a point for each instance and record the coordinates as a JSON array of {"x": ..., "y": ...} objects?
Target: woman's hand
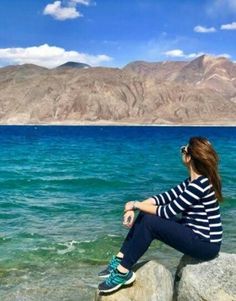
[
  {"x": 129, "y": 206},
  {"x": 148, "y": 206},
  {"x": 128, "y": 218}
]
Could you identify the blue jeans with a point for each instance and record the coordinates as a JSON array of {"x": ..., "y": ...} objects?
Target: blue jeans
[{"x": 148, "y": 227}]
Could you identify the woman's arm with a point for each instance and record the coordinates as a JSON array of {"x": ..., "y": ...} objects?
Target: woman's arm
[
  {"x": 189, "y": 197},
  {"x": 145, "y": 207},
  {"x": 168, "y": 196},
  {"x": 148, "y": 205},
  {"x": 153, "y": 202}
]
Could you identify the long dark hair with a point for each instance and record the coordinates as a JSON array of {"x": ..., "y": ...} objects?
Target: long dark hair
[{"x": 205, "y": 162}]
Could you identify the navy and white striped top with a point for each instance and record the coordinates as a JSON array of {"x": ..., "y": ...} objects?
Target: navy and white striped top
[{"x": 197, "y": 202}]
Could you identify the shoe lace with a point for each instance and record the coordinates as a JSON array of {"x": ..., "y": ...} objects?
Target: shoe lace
[
  {"x": 114, "y": 262},
  {"x": 113, "y": 278}
]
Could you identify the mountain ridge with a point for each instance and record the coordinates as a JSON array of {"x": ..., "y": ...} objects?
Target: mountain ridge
[{"x": 201, "y": 91}]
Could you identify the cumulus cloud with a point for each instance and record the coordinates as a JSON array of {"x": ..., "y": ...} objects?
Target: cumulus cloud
[
  {"x": 231, "y": 26},
  {"x": 66, "y": 11},
  {"x": 178, "y": 53},
  {"x": 203, "y": 29},
  {"x": 49, "y": 56},
  {"x": 61, "y": 13}
]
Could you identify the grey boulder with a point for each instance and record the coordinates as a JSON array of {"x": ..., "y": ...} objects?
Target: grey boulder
[
  {"x": 213, "y": 280},
  {"x": 153, "y": 283}
]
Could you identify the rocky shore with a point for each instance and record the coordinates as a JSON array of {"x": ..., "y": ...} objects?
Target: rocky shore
[{"x": 194, "y": 280}]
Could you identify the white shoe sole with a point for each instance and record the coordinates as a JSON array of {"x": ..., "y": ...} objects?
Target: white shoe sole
[
  {"x": 131, "y": 280},
  {"x": 104, "y": 276}
]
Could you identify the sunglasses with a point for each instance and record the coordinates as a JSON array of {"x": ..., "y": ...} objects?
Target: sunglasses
[{"x": 183, "y": 150}]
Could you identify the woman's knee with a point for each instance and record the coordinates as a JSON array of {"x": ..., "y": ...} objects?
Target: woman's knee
[{"x": 149, "y": 220}]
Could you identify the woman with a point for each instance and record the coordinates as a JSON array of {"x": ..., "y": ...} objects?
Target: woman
[{"x": 199, "y": 231}]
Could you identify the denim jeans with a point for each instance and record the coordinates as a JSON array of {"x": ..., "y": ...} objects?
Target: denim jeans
[{"x": 172, "y": 232}]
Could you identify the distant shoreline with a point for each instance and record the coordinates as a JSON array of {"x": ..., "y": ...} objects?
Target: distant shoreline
[{"x": 121, "y": 124}]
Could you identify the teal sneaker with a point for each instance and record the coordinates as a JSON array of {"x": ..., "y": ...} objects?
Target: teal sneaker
[
  {"x": 113, "y": 264},
  {"x": 115, "y": 281}
]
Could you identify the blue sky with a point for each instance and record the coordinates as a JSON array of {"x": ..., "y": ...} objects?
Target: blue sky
[{"x": 114, "y": 32}]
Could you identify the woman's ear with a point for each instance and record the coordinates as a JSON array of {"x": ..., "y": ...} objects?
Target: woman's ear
[{"x": 188, "y": 158}]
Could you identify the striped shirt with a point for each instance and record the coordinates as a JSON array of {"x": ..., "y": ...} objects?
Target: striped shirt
[{"x": 197, "y": 203}]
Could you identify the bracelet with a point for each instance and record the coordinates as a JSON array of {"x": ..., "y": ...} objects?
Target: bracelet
[{"x": 134, "y": 206}]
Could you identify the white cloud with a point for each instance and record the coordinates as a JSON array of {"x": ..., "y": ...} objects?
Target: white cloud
[
  {"x": 66, "y": 11},
  {"x": 155, "y": 49},
  {"x": 203, "y": 29},
  {"x": 231, "y": 26},
  {"x": 226, "y": 55},
  {"x": 49, "y": 56},
  {"x": 178, "y": 53},
  {"x": 61, "y": 13},
  {"x": 84, "y": 2},
  {"x": 193, "y": 55},
  {"x": 175, "y": 53}
]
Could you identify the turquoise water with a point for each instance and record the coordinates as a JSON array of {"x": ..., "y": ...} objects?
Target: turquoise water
[{"x": 62, "y": 196}]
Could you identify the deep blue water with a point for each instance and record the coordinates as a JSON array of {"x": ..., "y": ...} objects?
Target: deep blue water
[{"x": 62, "y": 194}]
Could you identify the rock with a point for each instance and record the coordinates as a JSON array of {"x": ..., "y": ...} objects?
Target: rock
[
  {"x": 213, "y": 280},
  {"x": 153, "y": 283}
]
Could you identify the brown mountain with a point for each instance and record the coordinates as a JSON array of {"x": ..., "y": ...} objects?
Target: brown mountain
[{"x": 202, "y": 91}]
